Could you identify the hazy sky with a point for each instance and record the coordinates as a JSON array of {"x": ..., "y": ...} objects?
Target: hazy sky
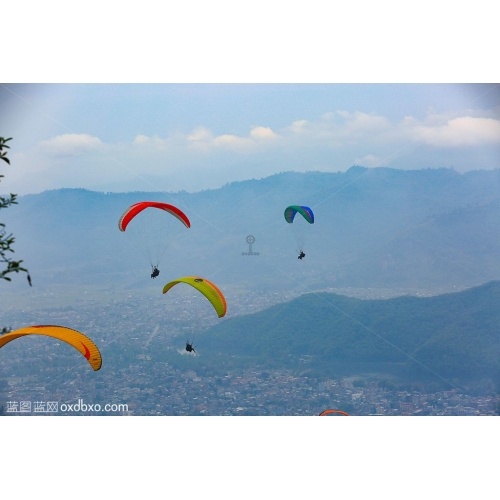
[{"x": 124, "y": 137}]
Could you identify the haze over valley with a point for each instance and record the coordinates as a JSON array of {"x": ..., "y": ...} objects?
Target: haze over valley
[{"x": 378, "y": 234}]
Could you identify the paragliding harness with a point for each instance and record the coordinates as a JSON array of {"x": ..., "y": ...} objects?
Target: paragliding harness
[
  {"x": 189, "y": 347},
  {"x": 302, "y": 255},
  {"x": 155, "y": 272}
]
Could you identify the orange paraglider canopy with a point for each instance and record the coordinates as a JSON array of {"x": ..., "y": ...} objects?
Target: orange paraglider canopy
[
  {"x": 72, "y": 337},
  {"x": 333, "y": 412}
]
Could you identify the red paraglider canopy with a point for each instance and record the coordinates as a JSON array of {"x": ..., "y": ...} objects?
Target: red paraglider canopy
[{"x": 137, "y": 208}]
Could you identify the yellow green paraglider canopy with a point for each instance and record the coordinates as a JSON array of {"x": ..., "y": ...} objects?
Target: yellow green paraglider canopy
[{"x": 208, "y": 289}]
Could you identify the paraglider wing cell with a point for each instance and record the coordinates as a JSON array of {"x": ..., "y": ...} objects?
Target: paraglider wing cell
[{"x": 72, "y": 337}]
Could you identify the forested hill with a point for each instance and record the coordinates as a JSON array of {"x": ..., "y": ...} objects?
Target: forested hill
[
  {"x": 455, "y": 335},
  {"x": 381, "y": 227}
]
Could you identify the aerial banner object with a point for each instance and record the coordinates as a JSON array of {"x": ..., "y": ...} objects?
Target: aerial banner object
[
  {"x": 207, "y": 288},
  {"x": 150, "y": 229},
  {"x": 299, "y": 224},
  {"x": 334, "y": 413},
  {"x": 72, "y": 337}
]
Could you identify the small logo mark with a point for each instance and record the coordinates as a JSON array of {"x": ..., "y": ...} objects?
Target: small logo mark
[{"x": 250, "y": 239}]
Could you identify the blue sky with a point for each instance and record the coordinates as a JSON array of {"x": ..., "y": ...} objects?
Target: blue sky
[{"x": 127, "y": 137}]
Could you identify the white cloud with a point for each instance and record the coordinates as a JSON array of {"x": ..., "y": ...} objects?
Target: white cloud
[
  {"x": 263, "y": 133},
  {"x": 202, "y": 140},
  {"x": 459, "y": 132},
  {"x": 259, "y": 137},
  {"x": 70, "y": 145},
  {"x": 299, "y": 126},
  {"x": 155, "y": 141},
  {"x": 340, "y": 129},
  {"x": 362, "y": 123},
  {"x": 409, "y": 121},
  {"x": 233, "y": 142},
  {"x": 198, "y": 158},
  {"x": 368, "y": 161},
  {"x": 200, "y": 134},
  {"x": 141, "y": 139}
]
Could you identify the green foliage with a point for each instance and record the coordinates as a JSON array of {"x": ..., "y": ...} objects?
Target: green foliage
[
  {"x": 3, "y": 156},
  {"x": 5, "y": 202},
  {"x": 7, "y": 240}
]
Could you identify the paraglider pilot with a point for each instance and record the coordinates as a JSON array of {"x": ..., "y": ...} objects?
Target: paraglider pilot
[
  {"x": 155, "y": 272},
  {"x": 302, "y": 255},
  {"x": 189, "y": 347}
]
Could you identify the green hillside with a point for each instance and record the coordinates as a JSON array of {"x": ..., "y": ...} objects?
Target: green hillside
[{"x": 455, "y": 335}]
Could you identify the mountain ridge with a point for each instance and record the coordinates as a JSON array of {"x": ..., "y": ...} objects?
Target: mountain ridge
[
  {"x": 452, "y": 335},
  {"x": 373, "y": 228}
]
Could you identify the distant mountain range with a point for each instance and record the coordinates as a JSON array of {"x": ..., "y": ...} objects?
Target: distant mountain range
[
  {"x": 420, "y": 229},
  {"x": 454, "y": 336}
]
